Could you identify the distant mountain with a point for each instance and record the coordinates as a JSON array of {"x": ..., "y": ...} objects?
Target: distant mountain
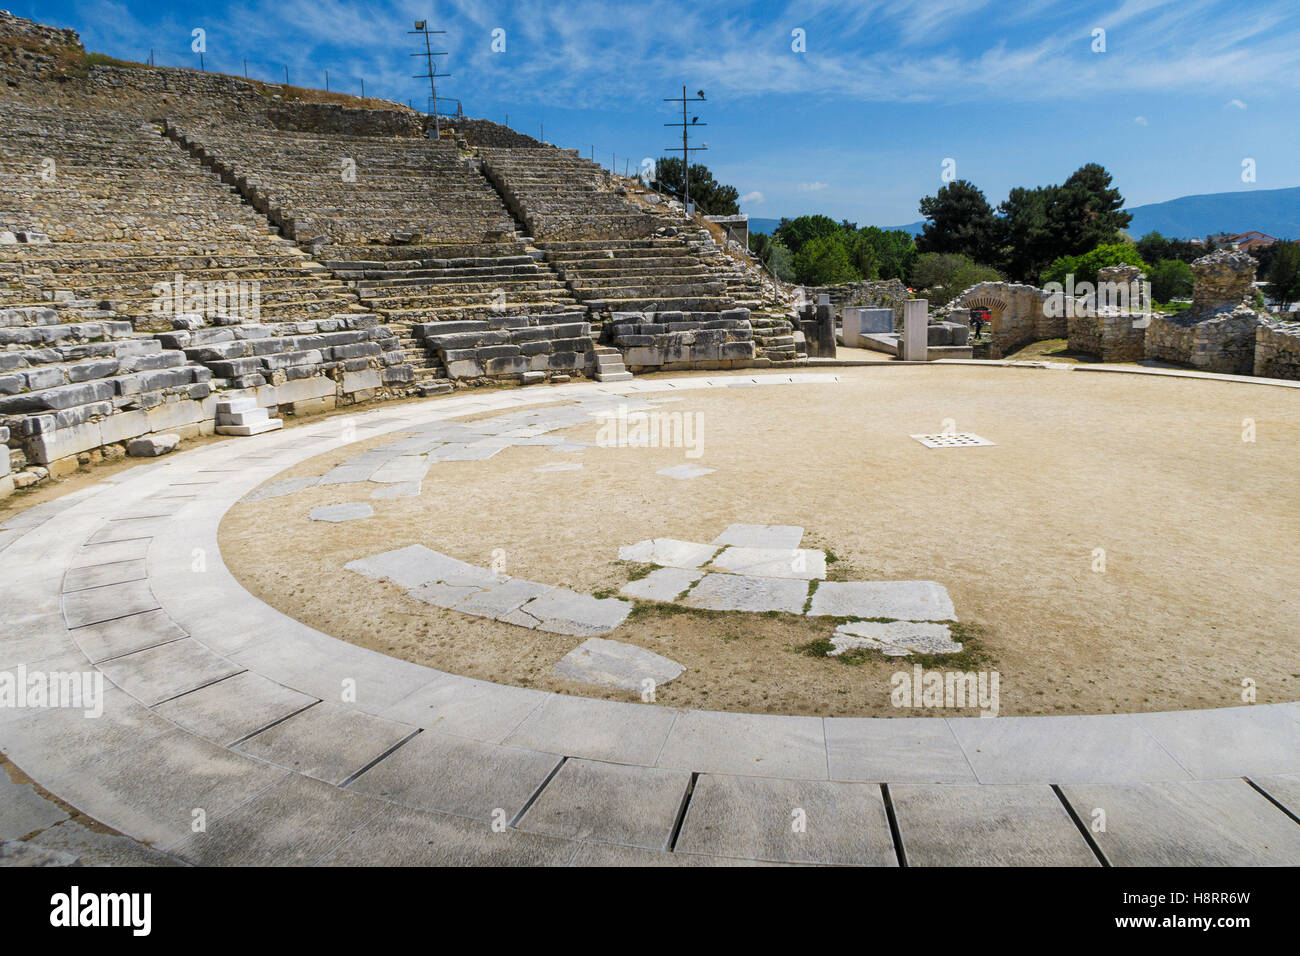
[
  {"x": 912, "y": 227},
  {"x": 1273, "y": 211}
]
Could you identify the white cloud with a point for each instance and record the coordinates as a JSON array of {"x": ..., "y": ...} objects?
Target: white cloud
[
  {"x": 1235, "y": 105},
  {"x": 1141, "y": 121},
  {"x": 754, "y": 197},
  {"x": 904, "y": 51},
  {"x": 811, "y": 187}
]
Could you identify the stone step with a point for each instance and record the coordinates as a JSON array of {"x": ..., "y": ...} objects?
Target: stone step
[
  {"x": 269, "y": 425},
  {"x": 252, "y": 416},
  {"x": 234, "y": 406}
]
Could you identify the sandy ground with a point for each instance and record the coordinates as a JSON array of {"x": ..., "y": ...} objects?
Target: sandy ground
[{"x": 1199, "y": 530}]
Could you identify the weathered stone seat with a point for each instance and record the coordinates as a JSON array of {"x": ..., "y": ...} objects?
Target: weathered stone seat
[
  {"x": 528, "y": 348},
  {"x": 651, "y": 341}
]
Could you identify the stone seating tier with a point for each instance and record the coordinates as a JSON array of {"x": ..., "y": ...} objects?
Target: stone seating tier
[
  {"x": 654, "y": 341},
  {"x": 530, "y": 348},
  {"x": 420, "y": 189},
  {"x": 68, "y": 388},
  {"x": 247, "y": 355},
  {"x": 412, "y": 285},
  {"x": 558, "y": 195},
  {"x": 638, "y": 275},
  {"x": 126, "y": 209},
  {"x": 439, "y": 255}
]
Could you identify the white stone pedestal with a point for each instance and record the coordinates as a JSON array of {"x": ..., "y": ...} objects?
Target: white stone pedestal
[{"x": 913, "y": 344}]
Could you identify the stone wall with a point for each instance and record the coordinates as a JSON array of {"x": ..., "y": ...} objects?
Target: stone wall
[
  {"x": 31, "y": 51},
  {"x": 1017, "y": 314},
  {"x": 1217, "y": 334},
  {"x": 344, "y": 120},
  {"x": 45, "y": 66},
  {"x": 1113, "y": 333},
  {"x": 1277, "y": 349},
  {"x": 868, "y": 294},
  {"x": 481, "y": 132},
  {"x": 1111, "y": 336}
]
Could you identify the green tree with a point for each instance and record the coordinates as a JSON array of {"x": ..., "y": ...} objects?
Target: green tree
[
  {"x": 711, "y": 198},
  {"x": 1283, "y": 278},
  {"x": 1086, "y": 212},
  {"x": 1155, "y": 248},
  {"x": 824, "y": 261},
  {"x": 1024, "y": 232},
  {"x": 883, "y": 253},
  {"x": 793, "y": 233},
  {"x": 781, "y": 262},
  {"x": 1171, "y": 279},
  {"x": 960, "y": 220},
  {"x": 1085, "y": 267}
]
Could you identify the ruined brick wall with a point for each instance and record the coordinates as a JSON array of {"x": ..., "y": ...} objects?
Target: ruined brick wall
[
  {"x": 1113, "y": 331},
  {"x": 1111, "y": 336}
]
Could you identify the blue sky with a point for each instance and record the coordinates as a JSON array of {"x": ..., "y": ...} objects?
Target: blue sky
[{"x": 857, "y": 126}]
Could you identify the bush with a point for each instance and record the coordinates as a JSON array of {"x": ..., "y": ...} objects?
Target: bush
[
  {"x": 1171, "y": 279},
  {"x": 945, "y": 274},
  {"x": 1084, "y": 268},
  {"x": 774, "y": 254}
]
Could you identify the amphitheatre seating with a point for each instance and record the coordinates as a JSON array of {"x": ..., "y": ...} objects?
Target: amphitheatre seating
[
  {"x": 420, "y": 235},
  {"x": 656, "y": 274},
  {"x": 353, "y": 189},
  {"x": 653, "y": 341},
  {"x": 559, "y": 195},
  {"x": 614, "y": 255},
  {"x": 529, "y": 348},
  {"x": 125, "y": 210},
  {"x": 247, "y": 355},
  {"x": 417, "y": 286},
  {"x": 67, "y": 387},
  {"x": 128, "y": 235}
]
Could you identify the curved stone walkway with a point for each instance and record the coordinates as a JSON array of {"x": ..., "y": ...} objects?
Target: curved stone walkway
[{"x": 234, "y": 734}]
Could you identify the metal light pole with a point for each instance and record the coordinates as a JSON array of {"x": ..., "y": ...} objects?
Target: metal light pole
[
  {"x": 687, "y": 149},
  {"x": 422, "y": 26}
]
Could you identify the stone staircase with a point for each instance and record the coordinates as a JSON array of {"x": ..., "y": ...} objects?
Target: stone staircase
[
  {"x": 609, "y": 365},
  {"x": 243, "y": 416}
]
